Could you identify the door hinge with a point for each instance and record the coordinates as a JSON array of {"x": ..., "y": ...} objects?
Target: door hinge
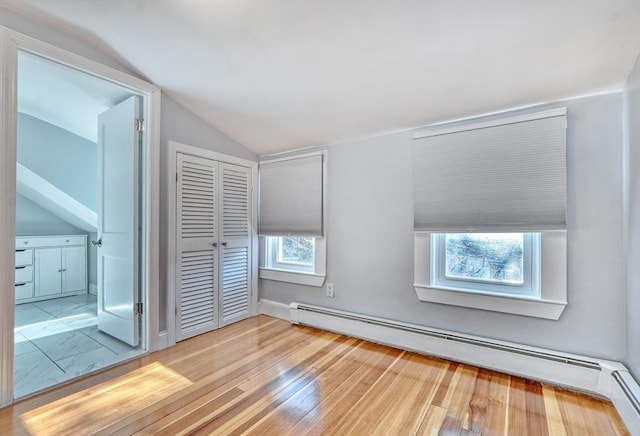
[
  {"x": 137, "y": 308},
  {"x": 140, "y": 125}
]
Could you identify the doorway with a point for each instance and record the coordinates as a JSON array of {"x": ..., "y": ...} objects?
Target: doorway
[
  {"x": 76, "y": 181},
  {"x": 81, "y": 219}
]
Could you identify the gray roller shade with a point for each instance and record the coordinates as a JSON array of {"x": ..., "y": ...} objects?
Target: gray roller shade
[
  {"x": 291, "y": 197},
  {"x": 492, "y": 178}
]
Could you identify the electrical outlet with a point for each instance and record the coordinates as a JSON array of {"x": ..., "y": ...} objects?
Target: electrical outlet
[{"x": 330, "y": 292}]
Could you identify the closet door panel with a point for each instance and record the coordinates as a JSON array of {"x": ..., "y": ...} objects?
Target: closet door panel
[
  {"x": 196, "y": 266},
  {"x": 235, "y": 229}
]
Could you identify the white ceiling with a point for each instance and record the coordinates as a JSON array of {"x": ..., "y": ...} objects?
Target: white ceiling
[
  {"x": 63, "y": 96},
  {"x": 277, "y": 75}
]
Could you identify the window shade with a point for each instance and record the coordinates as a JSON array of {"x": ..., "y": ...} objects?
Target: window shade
[
  {"x": 291, "y": 197},
  {"x": 508, "y": 176}
]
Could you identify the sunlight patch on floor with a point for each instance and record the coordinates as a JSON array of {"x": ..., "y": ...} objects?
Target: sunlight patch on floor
[{"x": 84, "y": 411}]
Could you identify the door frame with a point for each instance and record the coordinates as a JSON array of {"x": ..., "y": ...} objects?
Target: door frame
[
  {"x": 174, "y": 149},
  {"x": 11, "y": 42}
]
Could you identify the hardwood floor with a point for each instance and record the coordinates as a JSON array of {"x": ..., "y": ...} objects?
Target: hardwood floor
[{"x": 264, "y": 376}]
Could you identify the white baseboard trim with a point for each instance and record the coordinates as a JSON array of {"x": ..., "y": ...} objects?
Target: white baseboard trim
[
  {"x": 162, "y": 341},
  {"x": 274, "y": 309},
  {"x": 93, "y": 289},
  {"x": 594, "y": 376}
]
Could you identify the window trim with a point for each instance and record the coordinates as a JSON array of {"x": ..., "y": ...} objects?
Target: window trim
[
  {"x": 553, "y": 290},
  {"x": 315, "y": 278},
  {"x": 531, "y": 274}
]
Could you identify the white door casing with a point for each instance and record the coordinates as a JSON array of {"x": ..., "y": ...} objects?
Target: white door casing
[
  {"x": 11, "y": 42},
  {"x": 118, "y": 148},
  {"x": 196, "y": 245}
]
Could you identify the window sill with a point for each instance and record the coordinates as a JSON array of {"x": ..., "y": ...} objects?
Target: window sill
[
  {"x": 299, "y": 278},
  {"x": 514, "y": 304}
]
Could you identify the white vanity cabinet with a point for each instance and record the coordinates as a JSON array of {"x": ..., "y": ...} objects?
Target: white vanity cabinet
[{"x": 50, "y": 267}]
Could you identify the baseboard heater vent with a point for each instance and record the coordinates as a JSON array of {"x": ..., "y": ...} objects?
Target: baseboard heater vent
[
  {"x": 627, "y": 390},
  {"x": 599, "y": 377},
  {"x": 447, "y": 336}
]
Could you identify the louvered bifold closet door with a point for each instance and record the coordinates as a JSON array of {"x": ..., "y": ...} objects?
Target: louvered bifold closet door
[
  {"x": 196, "y": 266},
  {"x": 235, "y": 252}
]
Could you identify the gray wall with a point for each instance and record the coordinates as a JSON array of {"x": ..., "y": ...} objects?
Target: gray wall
[
  {"x": 177, "y": 123},
  {"x": 632, "y": 157},
  {"x": 370, "y": 240},
  {"x": 64, "y": 159}
]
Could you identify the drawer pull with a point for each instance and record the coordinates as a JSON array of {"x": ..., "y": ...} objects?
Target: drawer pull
[
  {"x": 20, "y": 284},
  {"x": 21, "y": 249},
  {"x": 21, "y": 267}
]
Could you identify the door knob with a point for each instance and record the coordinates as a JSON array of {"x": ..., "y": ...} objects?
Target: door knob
[{"x": 97, "y": 243}]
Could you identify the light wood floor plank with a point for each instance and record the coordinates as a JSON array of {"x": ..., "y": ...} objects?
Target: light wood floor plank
[
  {"x": 216, "y": 383},
  {"x": 263, "y": 376}
]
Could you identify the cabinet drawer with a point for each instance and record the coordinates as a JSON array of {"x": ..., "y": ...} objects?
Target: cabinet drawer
[
  {"x": 24, "y": 290},
  {"x": 50, "y": 241},
  {"x": 24, "y": 274},
  {"x": 24, "y": 257}
]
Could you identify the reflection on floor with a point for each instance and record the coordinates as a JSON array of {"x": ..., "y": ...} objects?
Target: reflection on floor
[{"x": 57, "y": 340}]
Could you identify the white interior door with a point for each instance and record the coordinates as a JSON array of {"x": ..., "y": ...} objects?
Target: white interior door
[
  {"x": 118, "y": 147},
  {"x": 235, "y": 237},
  {"x": 196, "y": 246}
]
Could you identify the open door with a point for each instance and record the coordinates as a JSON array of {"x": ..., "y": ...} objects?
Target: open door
[{"x": 118, "y": 147}]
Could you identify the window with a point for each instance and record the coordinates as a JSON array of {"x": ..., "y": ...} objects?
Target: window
[
  {"x": 292, "y": 217},
  {"x": 494, "y": 263},
  {"x": 496, "y": 287},
  {"x": 501, "y": 179},
  {"x": 293, "y": 259},
  {"x": 293, "y": 253}
]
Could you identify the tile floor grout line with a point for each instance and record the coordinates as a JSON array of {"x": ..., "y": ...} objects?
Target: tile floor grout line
[
  {"x": 48, "y": 357},
  {"x": 86, "y": 308}
]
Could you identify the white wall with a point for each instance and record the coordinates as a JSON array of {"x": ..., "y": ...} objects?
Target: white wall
[
  {"x": 370, "y": 240},
  {"x": 177, "y": 123},
  {"x": 632, "y": 158}
]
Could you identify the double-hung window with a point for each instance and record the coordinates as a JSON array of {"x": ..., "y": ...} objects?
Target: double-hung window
[
  {"x": 490, "y": 214},
  {"x": 292, "y": 199}
]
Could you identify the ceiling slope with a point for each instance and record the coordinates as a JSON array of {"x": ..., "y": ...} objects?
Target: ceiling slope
[{"x": 277, "y": 75}]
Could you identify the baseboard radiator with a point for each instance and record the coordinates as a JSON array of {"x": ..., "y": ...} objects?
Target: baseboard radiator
[
  {"x": 574, "y": 372},
  {"x": 598, "y": 377},
  {"x": 625, "y": 395}
]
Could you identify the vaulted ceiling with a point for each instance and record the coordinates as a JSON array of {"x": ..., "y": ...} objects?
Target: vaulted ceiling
[{"x": 282, "y": 74}]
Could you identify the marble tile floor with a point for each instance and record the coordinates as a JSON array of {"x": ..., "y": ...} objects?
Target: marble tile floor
[{"x": 57, "y": 340}]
